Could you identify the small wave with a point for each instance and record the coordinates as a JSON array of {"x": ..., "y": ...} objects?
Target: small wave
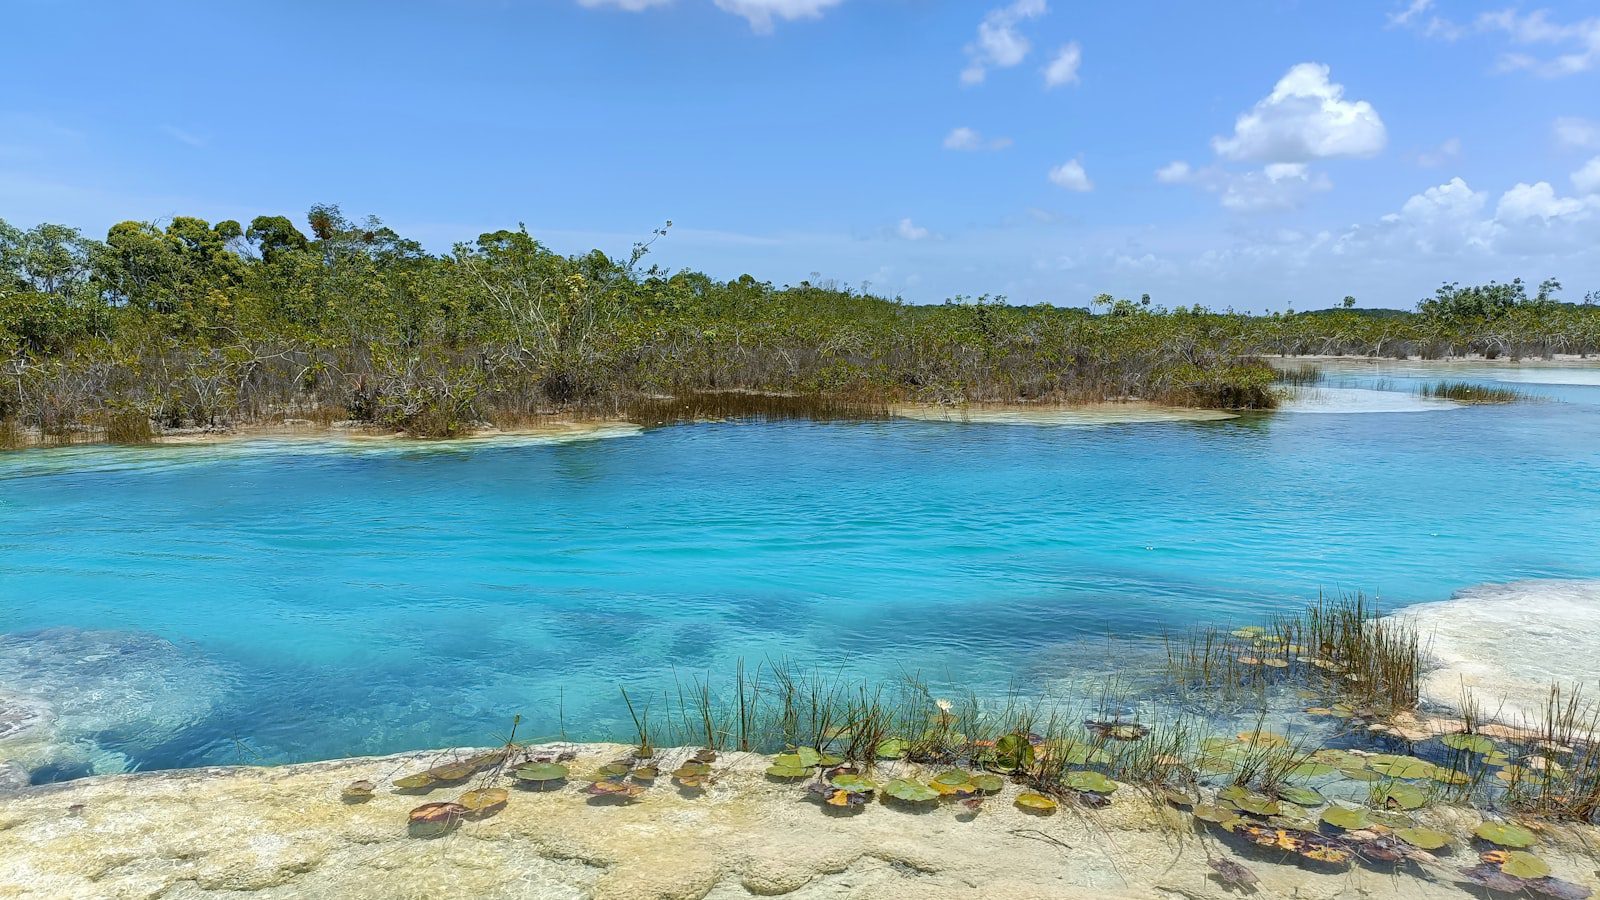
[{"x": 1507, "y": 644}]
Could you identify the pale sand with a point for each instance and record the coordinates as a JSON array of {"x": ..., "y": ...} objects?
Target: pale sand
[
  {"x": 1505, "y": 645},
  {"x": 284, "y": 833},
  {"x": 1084, "y": 415}
]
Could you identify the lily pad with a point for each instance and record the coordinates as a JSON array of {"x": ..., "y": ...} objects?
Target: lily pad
[
  {"x": 1349, "y": 818},
  {"x": 1506, "y": 834},
  {"x": 893, "y": 748},
  {"x": 1300, "y": 796},
  {"x": 806, "y": 755},
  {"x": 1217, "y": 815},
  {"x": 1263, "y": 739},
  {"x": 1404, "y": 767},
  {"x": 541, "y": 773},
  {"x": 431, "y": 819},
  {"x": 1013, "y": 751},
  {"x": 1038, "y": 804},
  {"x": 1472, "y": 743},
  {"x": 615, "y": 770},
  {"x": 615, "y": 790},
  {"x": 1400, "y": 796},
  {"x": 485, "y": 800},
  {"x": 788, "y": 771},
  {"x": 854, "y": 783},
  {"x": 987, "y": 783},
  {"x": 1423, "y": 838},
  {"x": 1523, "y": 864},
  {"x": 416, "y": 782},
  {"x": 1093, "y": 782},
  {"x": 953, "y": 777},
  {"x": 358, "y": 791},
  {"x": 909, "y": 791}
]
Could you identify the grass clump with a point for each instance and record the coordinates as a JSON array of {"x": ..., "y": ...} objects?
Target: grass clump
[
  {"x": 1305, "y": 375},
  {"x": 1467, "y": 392}
]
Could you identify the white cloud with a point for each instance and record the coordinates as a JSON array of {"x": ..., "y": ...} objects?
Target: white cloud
[
  {"x": 1575, "y": 133},
  {"x": 1276, "y": 186},
  {"x": 1418, "y": 15},
  {"x": 183, "y": 136},
  {"x": 1536, "y": 201},
  {"x": 1175, "y": 172},
  {"x": 1577, "y": 44},
  {"x": 1064, "y": 68},
  {"x": 999, "y": 45},
  {"x": 1304, "y": 118},
  {"x": 911, "y": 231},
  {"x": 1587, "y": 179},
  {"x": 629, "y": 5},
  {"x": 1446, "y": 152},
  {"x": 760, "y": 13},
  {"x": 1070, "y": 175},
  {"x": 970, "y": 140}
]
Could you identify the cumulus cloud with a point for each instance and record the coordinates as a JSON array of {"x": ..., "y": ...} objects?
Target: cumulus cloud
[
  {"x": 1175, "y": 172},
  {"x": 1070, "y": 175},
  {"x": 1575, "y": 133},
  {"x": 1063, "y": 69},
  {"x": 911, "y": 231},
  {"x": 970, "y": 140},
  {"x": 999, "y": 45},
  {"x": 1576, "y": 44},
  {"x": 1587, "y": 179},
  {"x": 1304, "y": 118},
  {"x": 1536, "y": 201}
]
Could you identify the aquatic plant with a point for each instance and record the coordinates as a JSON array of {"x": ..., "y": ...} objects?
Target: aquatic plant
[
  {"x": 1304, "y": 375},
  {"x": 1467, "y": 392}
]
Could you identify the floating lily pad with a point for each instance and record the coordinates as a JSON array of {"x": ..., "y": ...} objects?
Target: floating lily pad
[
  {"x": 615, "y": 790},
  {"x": 431, "y": 819},
  {"x": 1093, "y": 782},
  {"x": 1249, "y": 631},
  {"x": 1472, "y": 743},
  {"x": 893, "y": 748},
  {"x": 485, "y": 800},
  {"x": 1300, "y": 796},
  {"x": 807, "y": 756},
  {"x": 1349, "y": 818},
  {"x": 454, "y": 772},
  {"x": 615, "y": 770},
  {"x": 1038, "y": 804},
  {"x": 690, "y": 769},
  {"x": 1401, "y": 796},
  {"x": 1263, "y": 739},
  {"x": 909, "y": 791},
  {"x": 1013, "y": 751},
  {"x": 987, "y": 783},
  {"x": 964, "y": 789},
  {"x": 1522, "y": 864},
  {"x": 1249, "y": 801},
  {"x": 1311, "y": 770},
  {"x": 541, "y": 773},
  {"x": 1218, "y": 815},
  {"x": 1506, "y": 834},
  {"x": 1362, "y": 775},
  {"x": 1404, "y": 767},
  {"x": 1423, "y": 838},
  {"x": 417, "y": 782},
  {"x": 788, "y": 772},
  {"x": 952, "y": 777},
  {"x": 857, "y": 783}
]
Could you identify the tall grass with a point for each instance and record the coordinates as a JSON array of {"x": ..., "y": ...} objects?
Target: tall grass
[
  {"x": 1304, "y": 375},
  {"x": 716, "y": 406},
  {"x": 1467, "y": 392}
]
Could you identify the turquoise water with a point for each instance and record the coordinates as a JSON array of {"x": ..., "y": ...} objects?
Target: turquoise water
[{"x": 285, "y": 601}]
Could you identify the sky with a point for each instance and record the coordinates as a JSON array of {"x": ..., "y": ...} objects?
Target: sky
[{"x": 1251, "y": 155}]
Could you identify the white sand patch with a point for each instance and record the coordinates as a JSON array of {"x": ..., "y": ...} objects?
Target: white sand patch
[
  {"x": 1088, "y": 415},
  {"x": 1359, "y": 400},
  {"x": 1508, "y": 643}
]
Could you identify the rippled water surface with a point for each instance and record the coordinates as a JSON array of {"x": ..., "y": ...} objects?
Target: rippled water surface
[{"x": 289, "y": 601}]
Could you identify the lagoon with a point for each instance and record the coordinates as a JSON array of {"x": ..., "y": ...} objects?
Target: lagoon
[{"x": 279, "y": 601}]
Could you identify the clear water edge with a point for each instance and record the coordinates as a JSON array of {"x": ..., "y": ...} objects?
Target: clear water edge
[{"x": 284, "y": 601}]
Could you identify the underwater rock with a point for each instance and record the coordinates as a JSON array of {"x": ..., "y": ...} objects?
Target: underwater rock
[{"x": 68, "y": 693}]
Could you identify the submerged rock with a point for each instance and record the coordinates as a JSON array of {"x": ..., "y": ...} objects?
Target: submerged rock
[{"x": 79, "y": 700}]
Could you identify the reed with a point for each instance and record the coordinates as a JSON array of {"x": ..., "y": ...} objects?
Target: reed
[
  {"x": 128, "y": 426},
  {"x": 1466, "y": 392},
  {"x": 742, "y": 405},
  {"x": 1304, "y": 375}
]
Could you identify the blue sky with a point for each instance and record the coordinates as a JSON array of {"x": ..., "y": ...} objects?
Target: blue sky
[{"x": 1250, "y": 154}]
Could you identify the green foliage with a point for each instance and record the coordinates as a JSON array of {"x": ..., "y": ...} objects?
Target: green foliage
[{"x": 197, "y": 323}]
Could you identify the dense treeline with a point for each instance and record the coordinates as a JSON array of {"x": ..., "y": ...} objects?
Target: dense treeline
[{"x": 194, "y": 323}]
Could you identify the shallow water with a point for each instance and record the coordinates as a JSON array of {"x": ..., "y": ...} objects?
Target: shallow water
[{"x": 328, "y": 602}]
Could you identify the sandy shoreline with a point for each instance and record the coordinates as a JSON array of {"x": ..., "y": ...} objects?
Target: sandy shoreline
[{"x": 284, "y": 832}]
